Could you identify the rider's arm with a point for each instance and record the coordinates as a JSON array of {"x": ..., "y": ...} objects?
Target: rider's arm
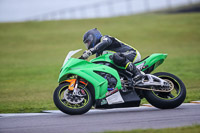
[{"x": 105, "y": 42}]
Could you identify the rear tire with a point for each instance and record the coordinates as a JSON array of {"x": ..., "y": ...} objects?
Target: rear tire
[
  {"x": 167, "y": 100},
  {"x": 69, "y": 108}
]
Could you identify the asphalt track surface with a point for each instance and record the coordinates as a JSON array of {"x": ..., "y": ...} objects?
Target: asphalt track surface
[{"x": 100, "y": 120}]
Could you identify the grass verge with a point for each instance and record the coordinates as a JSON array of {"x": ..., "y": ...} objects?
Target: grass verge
[{"x": 188, "y": 129}]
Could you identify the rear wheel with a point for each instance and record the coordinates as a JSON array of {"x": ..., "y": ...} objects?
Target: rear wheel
[
  {"x": 72, "y": 104},
  {"x": 167, "y": 100}
]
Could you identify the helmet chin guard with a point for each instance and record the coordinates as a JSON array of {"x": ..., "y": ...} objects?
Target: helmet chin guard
[{"x": 91, "y": 38}]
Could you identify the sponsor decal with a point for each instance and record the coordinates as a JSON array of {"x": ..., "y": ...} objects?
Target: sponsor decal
[
  {"x": 115, "y": 98},
  {"x": 111, "y": 92}
]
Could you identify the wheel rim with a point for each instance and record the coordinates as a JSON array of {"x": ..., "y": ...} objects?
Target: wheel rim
[
  {"x": 79, "y": 102},
  {"x": 175, "y": 92}
]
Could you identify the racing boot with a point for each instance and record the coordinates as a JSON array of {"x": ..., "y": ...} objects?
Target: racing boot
[{"x": 137, "y": 76}]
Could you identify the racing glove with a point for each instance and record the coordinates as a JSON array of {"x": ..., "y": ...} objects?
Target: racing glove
[{"x": 86, "y": 54}]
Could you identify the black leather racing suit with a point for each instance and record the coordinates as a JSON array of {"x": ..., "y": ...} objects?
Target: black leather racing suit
[{"x": 123, "y": 53}]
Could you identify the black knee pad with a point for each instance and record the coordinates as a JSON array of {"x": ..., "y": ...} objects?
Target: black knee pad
[{"x": 119, "y": 59}]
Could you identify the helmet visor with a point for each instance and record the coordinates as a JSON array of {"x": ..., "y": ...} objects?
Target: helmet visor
[
  {"x": 87, "y": 44},
  {"x": 88, "y": 41}
]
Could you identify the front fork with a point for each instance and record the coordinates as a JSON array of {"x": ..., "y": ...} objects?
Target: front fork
[
  {"x": 74, "y": 83},
  {"x": 75, "y": 91}
]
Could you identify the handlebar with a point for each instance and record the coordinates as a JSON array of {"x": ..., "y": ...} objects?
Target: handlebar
[{"x": 81, "y": 57}]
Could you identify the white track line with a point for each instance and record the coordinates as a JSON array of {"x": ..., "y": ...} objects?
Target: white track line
[{"x": 49, "y": 112}]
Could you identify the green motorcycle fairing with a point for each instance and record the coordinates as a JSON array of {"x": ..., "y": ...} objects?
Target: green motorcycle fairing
[
  {"x": 154, "y": 60},
  {"x": 87, "y": 70}
]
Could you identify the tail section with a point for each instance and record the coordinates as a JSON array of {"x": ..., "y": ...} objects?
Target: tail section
[{"x": 150, "y": 63}]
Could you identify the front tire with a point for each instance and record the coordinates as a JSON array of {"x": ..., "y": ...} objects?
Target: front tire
[
  {"x": 167, "y": 100},
  {"x": 72, "y": 108}
]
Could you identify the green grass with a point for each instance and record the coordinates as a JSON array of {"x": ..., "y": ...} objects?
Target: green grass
[
  {"x": 31, "y": 53},
  {"x": 188, "y": 129}
]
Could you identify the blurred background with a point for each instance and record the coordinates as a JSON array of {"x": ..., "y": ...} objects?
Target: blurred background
[
  {"x": 28, "y": 10},
  {"x": 36, "y": 35}
]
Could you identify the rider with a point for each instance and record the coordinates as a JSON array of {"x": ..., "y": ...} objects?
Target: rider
[{"x": 124, "y": 55}]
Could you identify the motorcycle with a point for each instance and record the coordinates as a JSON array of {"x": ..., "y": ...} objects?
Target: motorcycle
[{"x": 102, "y": 84}]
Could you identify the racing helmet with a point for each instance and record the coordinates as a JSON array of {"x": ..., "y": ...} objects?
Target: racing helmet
[{"x": 91, "y": 38}]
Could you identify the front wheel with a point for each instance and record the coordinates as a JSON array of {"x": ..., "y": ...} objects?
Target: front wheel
[
  {"x": 72, "y": 104},
  {"x": 167, "y": 100}
]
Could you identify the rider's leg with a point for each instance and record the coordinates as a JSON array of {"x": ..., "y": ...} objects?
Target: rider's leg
[
  {"x": 137, "y": 76},
  {"x": 121, "y": 60}
]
